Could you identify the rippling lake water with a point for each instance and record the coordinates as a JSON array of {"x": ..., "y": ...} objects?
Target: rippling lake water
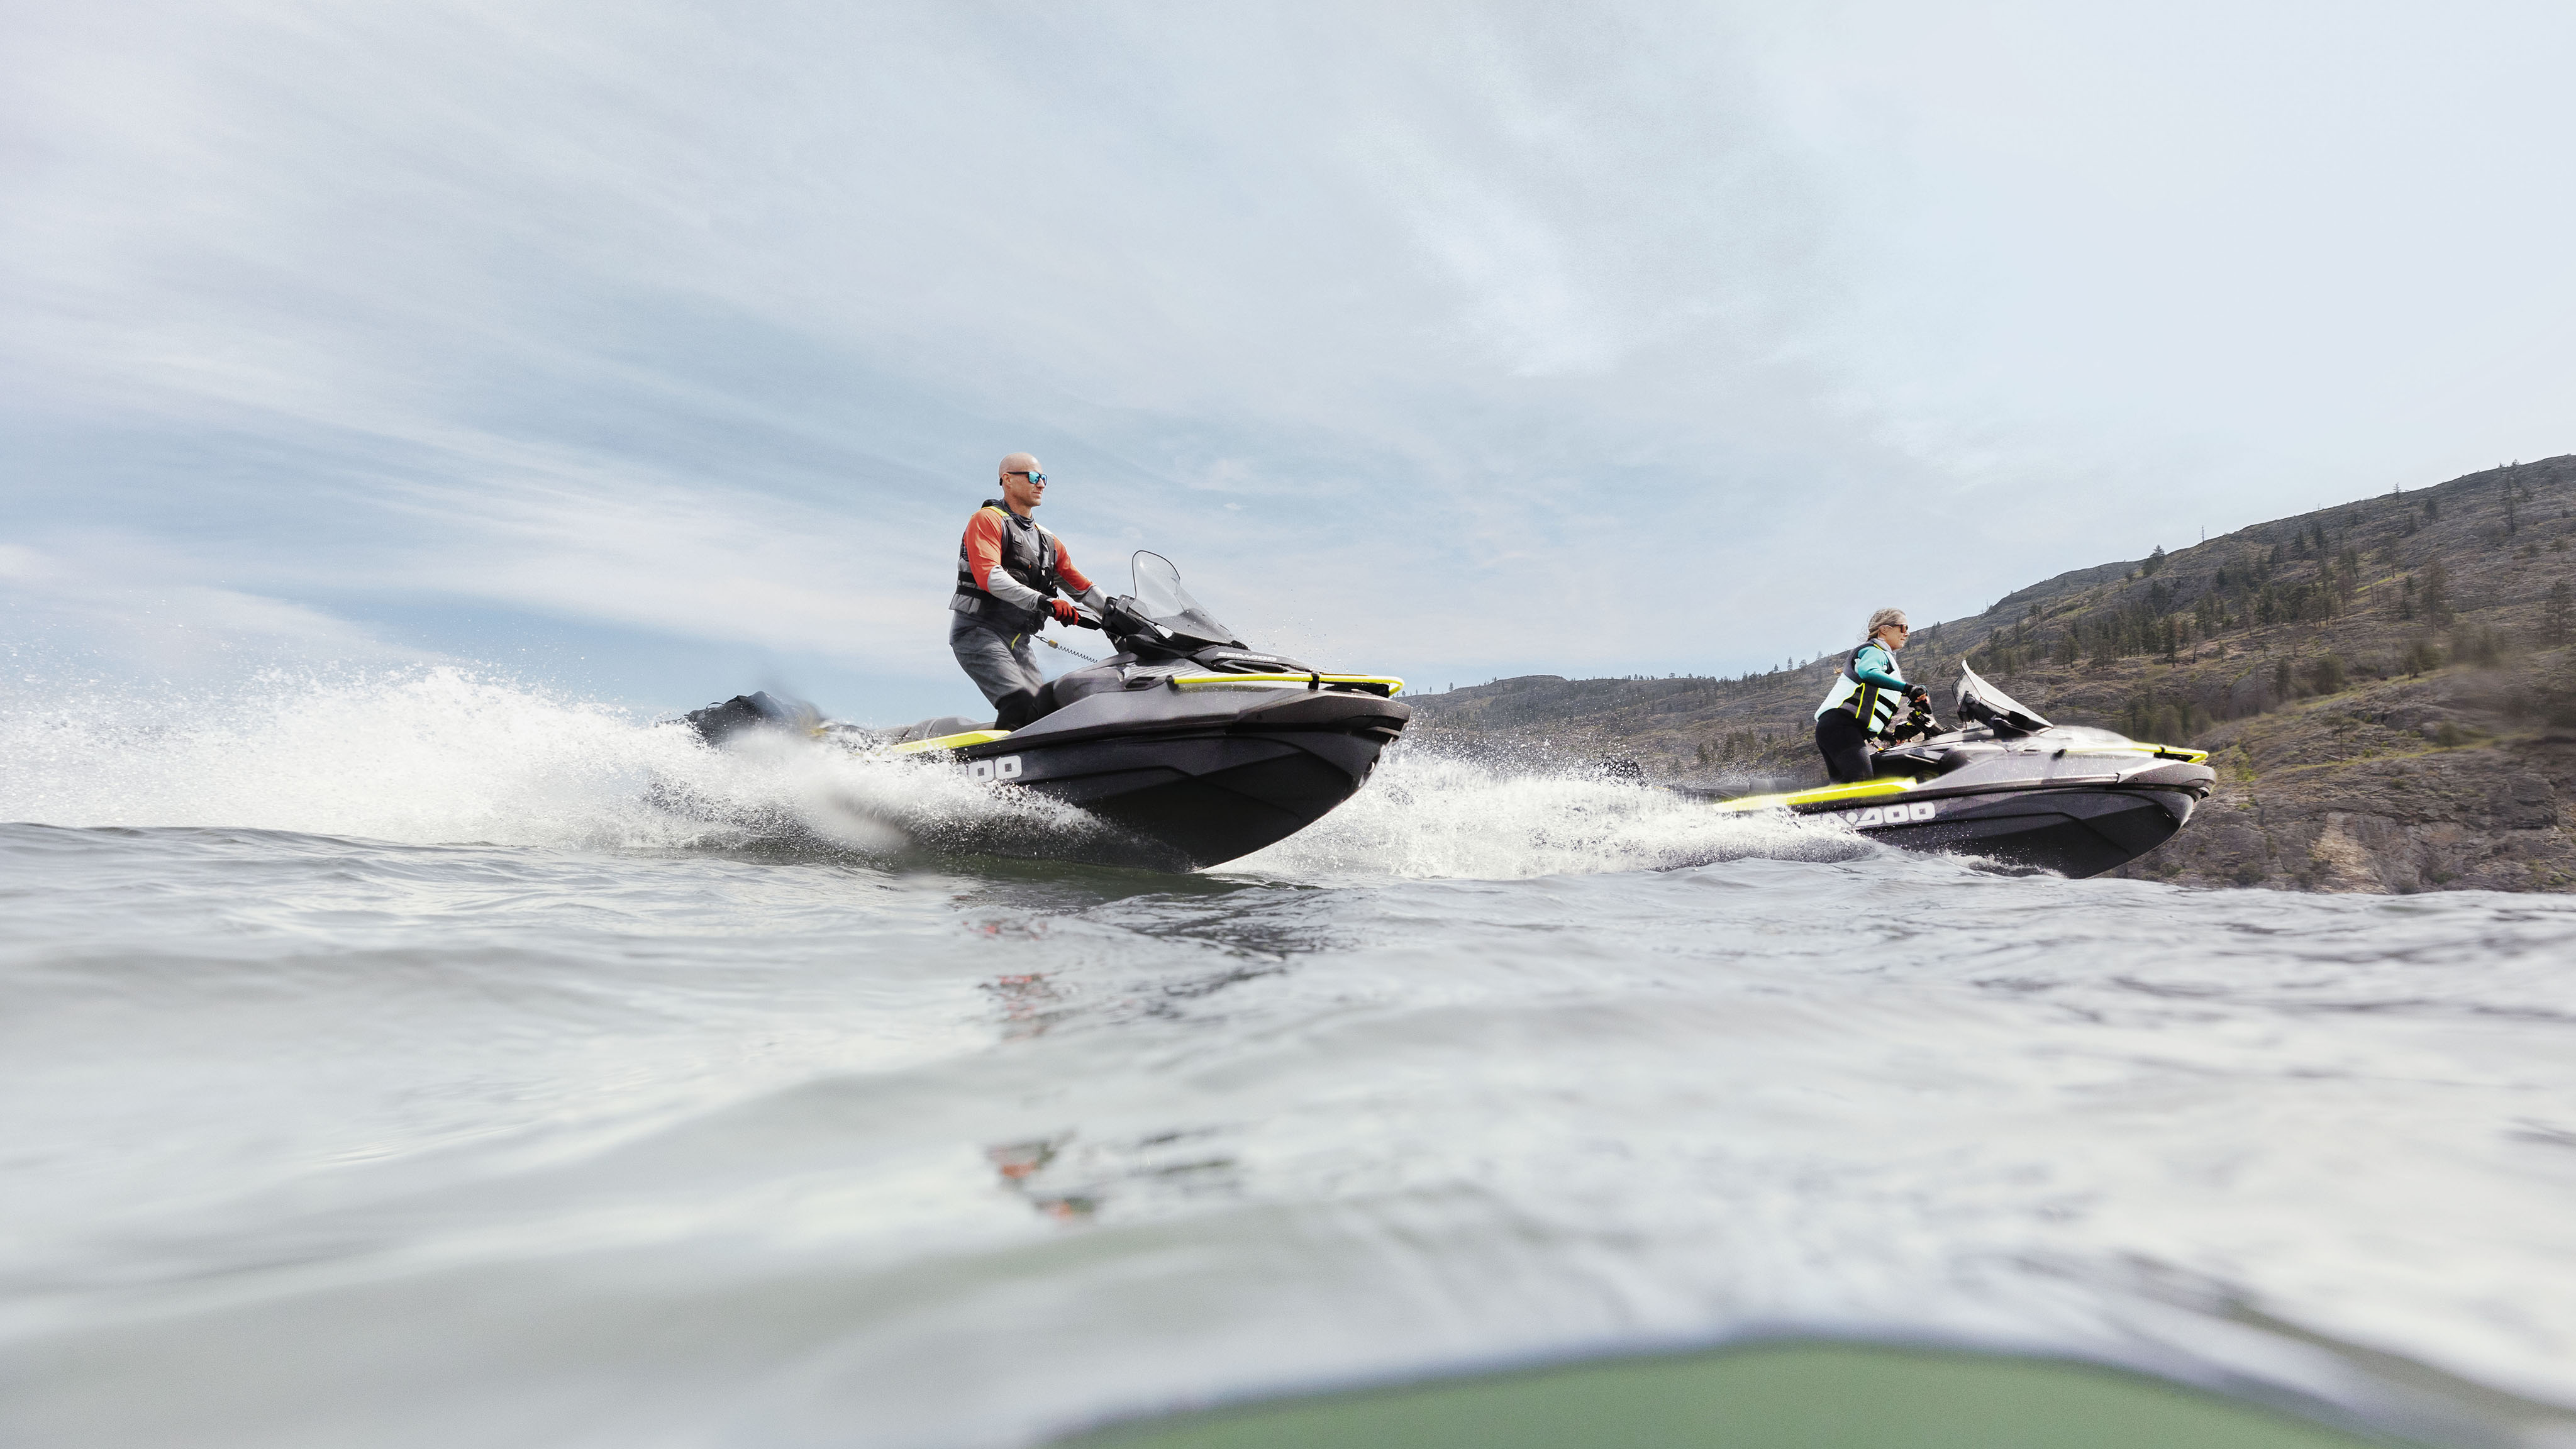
[{"x": 392, "y": 1064}]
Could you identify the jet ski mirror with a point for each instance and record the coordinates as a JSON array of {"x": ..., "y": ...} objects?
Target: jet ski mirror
[{"x": 2008, "y": 717}]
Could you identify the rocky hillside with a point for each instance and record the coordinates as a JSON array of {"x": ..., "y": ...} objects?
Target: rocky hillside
[{"x": 2386, "y": 687}]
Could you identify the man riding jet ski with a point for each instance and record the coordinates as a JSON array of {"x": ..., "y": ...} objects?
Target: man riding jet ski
[
  {"x": 2009, "y": 785},
  {"x": 1195, "y": 748},
  {"x": 1009, "y": 570}
]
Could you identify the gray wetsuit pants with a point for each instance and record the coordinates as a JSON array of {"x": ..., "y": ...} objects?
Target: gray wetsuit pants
[{"x": 1000, "y": 664}]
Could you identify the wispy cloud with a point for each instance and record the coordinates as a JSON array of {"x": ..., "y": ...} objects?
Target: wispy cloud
[
  {"x": 1459, "y": 338},
  {"x": 116, "y": 603}
]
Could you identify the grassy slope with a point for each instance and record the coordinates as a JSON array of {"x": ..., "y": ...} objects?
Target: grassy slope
[{"x": 2365, "y": 739}]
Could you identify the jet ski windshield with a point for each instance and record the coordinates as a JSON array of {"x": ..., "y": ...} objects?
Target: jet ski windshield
[
  {"x": 1160, "y": 598},
  {"x": 1989, "y": 706}
]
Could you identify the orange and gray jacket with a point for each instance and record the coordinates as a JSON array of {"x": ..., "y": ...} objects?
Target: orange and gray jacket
[{"x": 1007, "y": 569}]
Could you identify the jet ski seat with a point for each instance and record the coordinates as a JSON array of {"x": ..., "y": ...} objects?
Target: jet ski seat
[
  {"x": 936, "y": 729},
  {"x": 718, "y": 723}
]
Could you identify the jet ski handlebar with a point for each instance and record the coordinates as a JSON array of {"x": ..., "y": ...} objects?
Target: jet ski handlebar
[{"x": 1120, "y": 619}]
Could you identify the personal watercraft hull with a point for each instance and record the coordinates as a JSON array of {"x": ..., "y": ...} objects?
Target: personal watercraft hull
[
  {"x": 1180, "y": 770},
  {"x": 2074, "y": 832},
  {"x": 1209, "y": 786},
  {"x": 2075, "y": 801}
]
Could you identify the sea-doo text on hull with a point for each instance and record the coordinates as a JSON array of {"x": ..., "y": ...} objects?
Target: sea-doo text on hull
[
  {"x": 1194, "y": 748},
  {"x": 2009, "y": 785}
]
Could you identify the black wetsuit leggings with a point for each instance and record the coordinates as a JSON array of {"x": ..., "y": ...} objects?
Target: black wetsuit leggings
[{"x": 1840, "y": 739}]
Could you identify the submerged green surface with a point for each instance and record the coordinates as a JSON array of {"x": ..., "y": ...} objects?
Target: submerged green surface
[{"x": 1803, "y": 1396}]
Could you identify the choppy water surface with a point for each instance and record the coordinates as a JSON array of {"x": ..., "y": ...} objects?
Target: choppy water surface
[{"x": 388, "y": 1064}]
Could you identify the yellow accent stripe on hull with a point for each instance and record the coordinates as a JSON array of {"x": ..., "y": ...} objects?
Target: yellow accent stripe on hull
[
  {"x": 2184, "y": 753},
  {"x": 1388, "y": 682},
  {"x": 950, "y": 742},
  {"x": 1830, "y": 794}
]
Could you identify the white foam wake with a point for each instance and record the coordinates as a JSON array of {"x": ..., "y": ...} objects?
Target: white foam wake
[
  {"x": 1426, "y": 816},
  {"x": 444, "y": 756},
  {"x": 448, "y": 756}
]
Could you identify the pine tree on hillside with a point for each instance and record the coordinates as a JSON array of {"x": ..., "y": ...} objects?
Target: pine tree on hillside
[{"x": 2437, "y": 592}]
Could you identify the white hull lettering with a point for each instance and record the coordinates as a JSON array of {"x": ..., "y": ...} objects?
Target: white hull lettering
[{"x": 1878, "y": 815}]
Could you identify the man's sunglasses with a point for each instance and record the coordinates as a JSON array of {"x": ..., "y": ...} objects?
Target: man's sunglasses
[{"x": 1032, "y": 477}]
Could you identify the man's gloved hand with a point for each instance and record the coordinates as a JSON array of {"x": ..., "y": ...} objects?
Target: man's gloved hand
[
  {"x": 1064, "y": 612},
  {"x": 1920, "y": 695}
]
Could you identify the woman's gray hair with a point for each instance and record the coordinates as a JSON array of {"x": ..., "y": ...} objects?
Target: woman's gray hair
[{"x": 1880, "y": 619}]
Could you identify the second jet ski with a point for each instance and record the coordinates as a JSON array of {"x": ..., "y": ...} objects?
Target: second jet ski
[
  {"x": 1192, "y": 747},
  {"x": 2010, "y": 786}
]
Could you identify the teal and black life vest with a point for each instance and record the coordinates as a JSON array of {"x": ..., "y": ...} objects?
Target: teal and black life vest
[
  {"x": 1875, "y": 706},
  {"x": 1028, "y": 555}
]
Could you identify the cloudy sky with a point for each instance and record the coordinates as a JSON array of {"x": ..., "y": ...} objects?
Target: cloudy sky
[{"x": 654, "y": 351}]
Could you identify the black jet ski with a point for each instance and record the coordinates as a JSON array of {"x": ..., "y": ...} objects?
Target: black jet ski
[
  {"x": 1194, "y": 748},
  {"x": 2008, "y": 785}
]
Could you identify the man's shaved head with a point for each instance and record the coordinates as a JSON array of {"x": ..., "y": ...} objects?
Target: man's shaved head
[{"x": 1023, "y": 485}]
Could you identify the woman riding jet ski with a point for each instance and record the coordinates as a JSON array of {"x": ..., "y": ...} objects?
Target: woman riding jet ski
[
  {"x": 1194, "y": 747},
  {"x": 1866, "y": 698},
  {"x": 2009, "y": 785}
]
